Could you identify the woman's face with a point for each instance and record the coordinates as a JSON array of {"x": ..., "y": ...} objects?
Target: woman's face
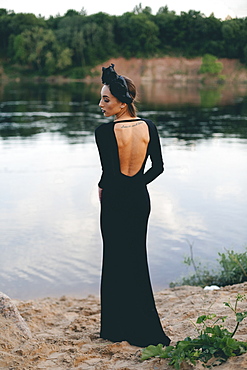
[{"x": 109, "y": 104}]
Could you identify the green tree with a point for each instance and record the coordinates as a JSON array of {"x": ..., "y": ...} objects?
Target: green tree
[
  {"x": 50, "y": 62},
  {"x": 12, "y": 24},
  {"x": 166, "y": 23},
  {"x": 69, "y": 34},
  {"x": 138, "y": 9},
  {"x": 231, "y": 31},
  {"x": 78, "y": 41},
  {"x": 210, "y": 65},
  {"x": 71, "y": 13},
  {"x": 99, "y": 37},
  {"x": 137, "y": 35},
  {"x": 90, "y": 37},
  {"x": 5, "y": 31},
  {"x": 64, "y": 59},
  {"x": 39, "y": 49},
  {"x": 191, "y": 33},
  {"x": 22, "y": 21},
  {"x": 212, "y": 41}
]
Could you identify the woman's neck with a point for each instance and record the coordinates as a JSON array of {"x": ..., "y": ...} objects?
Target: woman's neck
[{"x": 123, "y": 117}]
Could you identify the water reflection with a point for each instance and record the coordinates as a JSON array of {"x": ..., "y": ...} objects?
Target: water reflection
[
  {"x": 49, "y": 167},
  {"x": 72, "y": 110}
]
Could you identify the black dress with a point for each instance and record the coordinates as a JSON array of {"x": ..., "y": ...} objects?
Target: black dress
[{"x": 128, "y": 309}]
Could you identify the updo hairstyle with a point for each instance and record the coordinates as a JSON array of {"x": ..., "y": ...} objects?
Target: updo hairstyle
[{"x": 132, "y": 91}]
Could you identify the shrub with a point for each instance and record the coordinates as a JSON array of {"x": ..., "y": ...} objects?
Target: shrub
[
  {"x": 232, "y": 270},
  {"x": 210, "y": 65}
]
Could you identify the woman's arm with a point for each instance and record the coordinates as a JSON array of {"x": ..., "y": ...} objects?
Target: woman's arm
[
  {"x": 100, "y": 193},
  {"x": 102, "y": 148},
  {"x": 155, "y": 154}
]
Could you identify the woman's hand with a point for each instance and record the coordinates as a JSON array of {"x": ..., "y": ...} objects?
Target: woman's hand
[{"x": 100, "y": 193}]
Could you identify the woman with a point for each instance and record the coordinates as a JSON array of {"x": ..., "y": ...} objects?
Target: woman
[{"x": 128, "y": 309}]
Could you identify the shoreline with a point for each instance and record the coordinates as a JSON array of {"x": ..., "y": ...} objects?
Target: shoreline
[
  {"x": 65, "y": 331},
  {"x": 174, "y": 70}
]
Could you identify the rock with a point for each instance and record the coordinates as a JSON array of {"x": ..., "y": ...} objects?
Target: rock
[
  {"x": 9, "y": 311},
  {"x": 211, "y": 287}
]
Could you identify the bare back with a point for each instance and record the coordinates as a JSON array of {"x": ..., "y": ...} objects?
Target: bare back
[{"x": 132, "y": 139}]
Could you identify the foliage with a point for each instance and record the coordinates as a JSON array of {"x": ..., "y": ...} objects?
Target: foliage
[
  {"x": 76, "y": 41},
  {"x": 137, "y": 34},
  {"x": 38, "y": 48},
  {"x": 210, "y": 97},
  {"x": 210, "y": 65},
  {"x": 234, "y": 267},
  {"x": 232, "y": 270},
  {"x": 214, "y": 344}
]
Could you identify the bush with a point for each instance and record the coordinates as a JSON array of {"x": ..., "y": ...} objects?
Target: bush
[
  {"x": 232, "y": 270},
  {"x": 210, "y": 65}
]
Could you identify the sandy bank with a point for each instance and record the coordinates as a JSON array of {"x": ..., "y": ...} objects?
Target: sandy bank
[
  {"x": 65, "y": 331},
  {"x": 174, "y": 70}
]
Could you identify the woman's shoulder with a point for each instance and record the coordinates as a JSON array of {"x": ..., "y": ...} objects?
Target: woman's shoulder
[
  {"x": 150, "y": 123},
  {"x": 147, "y": 120}
]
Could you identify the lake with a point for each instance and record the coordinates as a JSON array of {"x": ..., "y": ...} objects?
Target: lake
[{"x": 50, "y": 242}]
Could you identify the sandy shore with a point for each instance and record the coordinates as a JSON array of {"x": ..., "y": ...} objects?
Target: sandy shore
[{"x": 65, "y": 331}]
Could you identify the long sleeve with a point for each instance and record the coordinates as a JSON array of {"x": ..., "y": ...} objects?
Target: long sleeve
[
  {"x": 106, "y": 144},
  {"x": 155, "y": 153},
  {"x": 100, "y": 139}
]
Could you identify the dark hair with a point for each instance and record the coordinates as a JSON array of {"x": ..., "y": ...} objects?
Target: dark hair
[
  {"x": 121, "y": 87},
  {"x": 132, "y": 91}
]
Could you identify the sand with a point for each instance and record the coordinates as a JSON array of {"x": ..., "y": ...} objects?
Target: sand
[{"x": 65, "y": 331}]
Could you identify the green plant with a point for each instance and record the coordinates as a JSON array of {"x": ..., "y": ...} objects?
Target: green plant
[
  {"x": 210, "y": 65},
  {"x": 213, "y": 346},
  {"x": 232, "y": 270},
  {"x": 234, "y": 267}
]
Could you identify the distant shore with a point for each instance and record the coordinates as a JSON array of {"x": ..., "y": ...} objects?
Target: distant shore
[
  {"x": 175, "y": 70},
  {"x": 164, "y": 81}
]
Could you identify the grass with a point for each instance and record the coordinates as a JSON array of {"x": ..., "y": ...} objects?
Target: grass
[{"x": 232, "y": 269}]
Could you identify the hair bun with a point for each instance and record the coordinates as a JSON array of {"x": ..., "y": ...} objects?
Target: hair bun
[
  {"x": 116, "y": 83},
  {"x": 108, "y": 74}
]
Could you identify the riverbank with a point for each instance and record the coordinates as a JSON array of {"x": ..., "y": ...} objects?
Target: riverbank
[
  {"x": 161, "y": 81},
  {"x": 173, "y": 70},
  {"x": 65, "y": 331}
]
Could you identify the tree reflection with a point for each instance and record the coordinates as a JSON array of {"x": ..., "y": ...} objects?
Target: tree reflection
[{"x": 71, "y": 109}]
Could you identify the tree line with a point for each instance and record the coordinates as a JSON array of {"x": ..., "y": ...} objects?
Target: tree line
[{"x": 73, "y": 43}]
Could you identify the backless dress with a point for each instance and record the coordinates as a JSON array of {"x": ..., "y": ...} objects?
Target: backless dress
[{"x": 128, "y": 309}]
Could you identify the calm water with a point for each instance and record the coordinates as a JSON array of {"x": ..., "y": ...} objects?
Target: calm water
[{"x": 50, "y": 242}]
